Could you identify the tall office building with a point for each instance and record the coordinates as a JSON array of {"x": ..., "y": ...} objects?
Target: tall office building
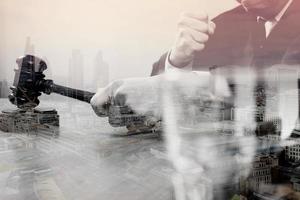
[
  {"x": 100, "y": 72},
  {"x": 76, "y": 72}
]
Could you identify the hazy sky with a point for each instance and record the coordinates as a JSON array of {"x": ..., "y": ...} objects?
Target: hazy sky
[{"x": 131, "y": 34}]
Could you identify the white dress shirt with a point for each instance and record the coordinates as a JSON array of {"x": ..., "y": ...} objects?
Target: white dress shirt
[{"x": 269, "y": 26}]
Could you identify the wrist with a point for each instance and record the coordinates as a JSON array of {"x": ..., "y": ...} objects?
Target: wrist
[{"x": 178, "y": 61}]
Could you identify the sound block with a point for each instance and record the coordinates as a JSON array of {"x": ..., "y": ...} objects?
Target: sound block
[{"x": 38, "y": 120}]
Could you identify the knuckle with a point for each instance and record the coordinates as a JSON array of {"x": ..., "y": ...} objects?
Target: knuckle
[
  {"x": 185, "y": 42},
  {"x": 182, "y": 22},
  {"x": 205, "y": 37},
  {"x": 203, "y": 26},
  {"x": 179, "y": 22},
  {"x": 201, "y": 47},
  {"x": 183, "y": 32}
]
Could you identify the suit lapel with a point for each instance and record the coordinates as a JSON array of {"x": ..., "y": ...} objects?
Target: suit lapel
[{"x": 288, "y": 28}]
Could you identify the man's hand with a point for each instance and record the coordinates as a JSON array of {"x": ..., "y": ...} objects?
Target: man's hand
[
  {"x": 140, "y": 94},
  {"x": 144, "y": 95},
  {"x": 193, "y": 32},
  {"x": 102, "y": 99}
]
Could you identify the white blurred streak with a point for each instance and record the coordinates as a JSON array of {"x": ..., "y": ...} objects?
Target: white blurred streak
[
  {"x": 171, "y": 128},
  {"x": 288, "y": 100},
  {"x": 244, "y": 102},
  {"x": 282, "y": 101},
  {"x": 245, "y": 108},
  {"x": 178, "y": 187},
  {"x": 272, "y": 101},
  {"x": 189, "y": 180},
  {"x": 173, "y": 140},
  {"x": 204, "y": 159}
]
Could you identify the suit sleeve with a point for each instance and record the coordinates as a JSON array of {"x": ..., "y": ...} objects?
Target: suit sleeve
[
  {"x": 159, "y": 66},
  {"x": 292, "y": 55}
]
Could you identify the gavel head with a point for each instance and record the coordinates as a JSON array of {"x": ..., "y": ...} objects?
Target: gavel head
[{"x": 29, "y": 82}]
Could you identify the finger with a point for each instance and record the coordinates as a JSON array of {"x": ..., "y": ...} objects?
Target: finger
[
  {"x": 119, "y": 99},
  {"x": 121, "y": 95},
  {"x": 194, "y": 24},
  {"x": 189, "y": 45},
  {"x": 99, "y": 103},
  {"x": 101, "y": 100},
  {"x": 197, "y": 36},
  {"x": 211, "y": 27}
]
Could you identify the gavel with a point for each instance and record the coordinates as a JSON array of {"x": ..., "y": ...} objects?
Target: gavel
[{"x": 29, "y": 83}]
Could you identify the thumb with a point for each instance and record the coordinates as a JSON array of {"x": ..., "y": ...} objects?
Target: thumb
[{"x": 100, "y": 101}]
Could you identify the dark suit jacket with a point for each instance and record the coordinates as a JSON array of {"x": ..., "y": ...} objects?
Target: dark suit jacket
[{"x": 237, "y": 42}]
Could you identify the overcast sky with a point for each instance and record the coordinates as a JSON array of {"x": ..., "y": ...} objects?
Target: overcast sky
[{"x": 131, "y": 34}]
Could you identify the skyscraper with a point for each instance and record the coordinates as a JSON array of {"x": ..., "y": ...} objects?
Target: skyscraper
[
  {"x": 76, "y": 72},
  {"x": 101, "y": 72}
]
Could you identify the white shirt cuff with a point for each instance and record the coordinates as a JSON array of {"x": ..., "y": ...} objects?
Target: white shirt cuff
[{"x": 170, "y": 67}]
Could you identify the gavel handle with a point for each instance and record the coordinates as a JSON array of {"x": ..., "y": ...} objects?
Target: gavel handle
[{"x": 73, "y": 93}]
